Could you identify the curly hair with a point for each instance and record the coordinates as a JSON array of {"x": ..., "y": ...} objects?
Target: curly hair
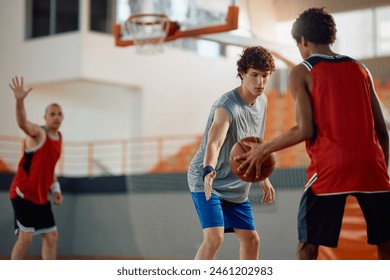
[
  {"x": 316, "y": 26},
  {"x": 257, "y": 58}
]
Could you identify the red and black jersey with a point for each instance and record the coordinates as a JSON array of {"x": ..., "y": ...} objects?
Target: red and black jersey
[
  {"x": 345, "y": 153},
  {"x": 35, "y": 173}
]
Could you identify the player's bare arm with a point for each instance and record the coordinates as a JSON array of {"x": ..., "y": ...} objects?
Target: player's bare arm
[
  {"x": 32, "y": 130},
  {"x": 299, "y": 85},
  {"x": 216, "y": 137},
  {"x": 380, "y": 123}
]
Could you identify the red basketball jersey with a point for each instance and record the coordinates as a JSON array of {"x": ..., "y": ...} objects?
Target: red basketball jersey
[
  {"x": 344, "y": 150},
  {"x": 35, "y": 173}
]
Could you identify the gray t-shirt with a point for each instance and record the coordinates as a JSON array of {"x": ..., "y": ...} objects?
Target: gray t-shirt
[{"x": 245, "y": 121}]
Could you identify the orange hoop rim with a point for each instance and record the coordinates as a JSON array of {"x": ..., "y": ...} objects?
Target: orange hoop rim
[{"x": 161, "y": 18}]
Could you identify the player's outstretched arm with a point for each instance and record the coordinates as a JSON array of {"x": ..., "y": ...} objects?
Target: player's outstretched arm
[
  {"x": 216, "y": 137},
  {"x": 303, "y": 129}
]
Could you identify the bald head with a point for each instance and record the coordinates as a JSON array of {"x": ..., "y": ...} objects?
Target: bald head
[
  {"x": 53, "y": 116},
  {"x": 51, "y": 107}
]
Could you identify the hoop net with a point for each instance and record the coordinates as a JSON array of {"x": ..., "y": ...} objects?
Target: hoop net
[{"x": 149, "y": 32}]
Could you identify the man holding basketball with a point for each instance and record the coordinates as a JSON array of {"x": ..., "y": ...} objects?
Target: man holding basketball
[
  {"x": 35, "y": 177},
  {"x": 220, "y": 198},
  {"x": 338, "y": 114}
]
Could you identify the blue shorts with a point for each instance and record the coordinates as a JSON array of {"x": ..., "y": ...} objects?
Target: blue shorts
[
  {"x": 218, "y": 212},
  {"x": 320, "y": 217}
]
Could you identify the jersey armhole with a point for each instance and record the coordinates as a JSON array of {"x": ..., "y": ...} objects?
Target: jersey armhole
[{"x": 226, "y": 110}]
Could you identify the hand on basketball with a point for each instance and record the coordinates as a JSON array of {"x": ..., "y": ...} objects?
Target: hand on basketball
[
  {"x": 268, "y": 192},
  {"x": 17, "y": 87},
  {"x": 252, "y": 159},
  {"x": 208, "y": 184}
]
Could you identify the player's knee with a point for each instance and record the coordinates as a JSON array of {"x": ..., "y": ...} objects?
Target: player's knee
[
  {"x": 215, "y": 240},
  {"x": 218, "y": 240},
  {"x": 50, "y": 238},
  {"x": 25, "y": 238},
  {"x": 253, "y": 240}
]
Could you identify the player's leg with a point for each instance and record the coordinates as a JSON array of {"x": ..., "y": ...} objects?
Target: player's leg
[
  {"x": 24, "y": 212},
  {"x": 19, "y": 251},
  {"x": 49, "y": 245},
  {"x": 212, "y": 241},
  {"x": 239, "y": 216},
  {"x": 319, "y": 223},
  {"x": 374, "y": 207},
  {"x": 384, "y": 250},
  {"x": 45, "y": 225},
  {"x": 249, "y": 244},
  {"x": 307, "y": 251},
  {"x": 212, "y": 221}
]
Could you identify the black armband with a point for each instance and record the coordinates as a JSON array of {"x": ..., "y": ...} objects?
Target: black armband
[{"x": 206, "y": 170}]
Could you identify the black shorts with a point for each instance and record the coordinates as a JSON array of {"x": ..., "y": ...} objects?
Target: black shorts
[
  {"x": 320, "y": 217},
  {"x": 31, "y": 217}
]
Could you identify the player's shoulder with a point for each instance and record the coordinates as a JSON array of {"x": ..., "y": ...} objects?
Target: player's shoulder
[
  {"x": 299, "y": 70},
  {"x": 55, "y": 137},
  {"x": 37, "y": 138},
  {"x": 39, "y": 131},
  {"x": 227, "y": 98},
  {"x": 316, "y": 59}
]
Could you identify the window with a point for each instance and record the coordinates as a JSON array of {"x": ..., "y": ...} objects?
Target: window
[
  {"x": 383, "y": 31},
  {"x": 67, "y": 15},
  {"x": 102, "y": 15},
  {"x": 355, "y": 36},
  {"x": 49, "y": 17}
]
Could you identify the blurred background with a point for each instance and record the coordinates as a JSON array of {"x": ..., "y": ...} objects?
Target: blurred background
[{"x": 134, "y": 121}]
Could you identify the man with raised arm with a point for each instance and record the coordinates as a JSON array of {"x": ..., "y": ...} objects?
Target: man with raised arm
[{"x": 35, "y": 177}]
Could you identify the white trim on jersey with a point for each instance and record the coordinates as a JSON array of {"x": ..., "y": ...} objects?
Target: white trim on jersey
[
  {"x": 307, "y": 65},
  {"x": 310, "y": 182}
]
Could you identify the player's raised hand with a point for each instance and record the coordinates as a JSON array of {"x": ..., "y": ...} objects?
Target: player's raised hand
[{"x": 18, "y": 88}]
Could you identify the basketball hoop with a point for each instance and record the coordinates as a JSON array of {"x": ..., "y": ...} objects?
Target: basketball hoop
[{"x": 148, "y": 31}]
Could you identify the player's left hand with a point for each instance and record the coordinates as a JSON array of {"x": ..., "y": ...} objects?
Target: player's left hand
[
  {"x": 268, "y": 192},
  {"x": 208, "y": 183},
  {"x": 57, "y": 198}
]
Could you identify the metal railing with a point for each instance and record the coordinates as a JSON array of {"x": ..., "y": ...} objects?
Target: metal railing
[
  {"x": 107, "y": 157},
  {"x": 160, "y": 154}
]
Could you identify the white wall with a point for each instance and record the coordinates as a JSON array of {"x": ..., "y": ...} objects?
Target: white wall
[
  {"x": 164, "y": 94},
  {"x": 10, "y": 59},
  {"x": 92, "y": 109}
]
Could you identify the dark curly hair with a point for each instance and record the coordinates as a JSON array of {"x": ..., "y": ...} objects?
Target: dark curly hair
[
  {"x": 257, "y": 58},
  {"x": 316, "y": 25}
]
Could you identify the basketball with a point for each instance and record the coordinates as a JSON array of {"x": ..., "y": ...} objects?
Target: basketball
[{"x": 239, "y": 148}]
